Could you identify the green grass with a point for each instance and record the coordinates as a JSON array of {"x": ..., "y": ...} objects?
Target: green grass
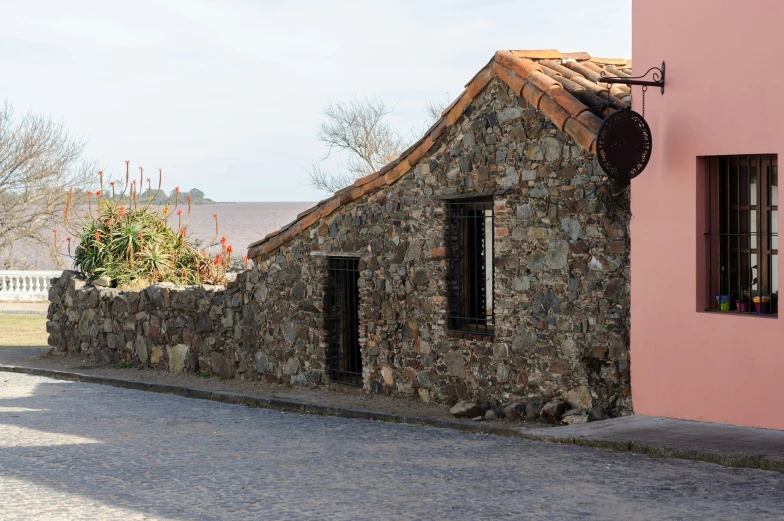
[{"x": 22, "y": 330}]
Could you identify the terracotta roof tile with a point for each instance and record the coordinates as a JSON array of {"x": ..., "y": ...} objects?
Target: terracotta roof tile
[
  {"x": 591, "y": 65},
  {"x": 556, "y": 113},
  {"x": 561, "y": 85},
  {"x": 543, "y": 82},
  {"x": 423, "y": 146},
  {"x": 560, "y": 69},
  {"x": 582, "y": 69},
  {"x": 532, "y": 95},
  {"x": 618, "y": 62},
  {"x": 515, "y": 82},
  {"x": 579, "y": 56},
  {"x": 523, "y": 67},
  {"x": 617, "y": 72},
  {"x": 540, "y": 54},
  {"x": 568, "y": 101}
]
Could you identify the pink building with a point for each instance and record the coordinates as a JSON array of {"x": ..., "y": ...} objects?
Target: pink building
[{"x": 706, "y": 341}]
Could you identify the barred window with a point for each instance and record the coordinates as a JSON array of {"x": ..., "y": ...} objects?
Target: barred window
[
  {"x": 469, "y": 241},
  {"x": 743, "y": 234}
]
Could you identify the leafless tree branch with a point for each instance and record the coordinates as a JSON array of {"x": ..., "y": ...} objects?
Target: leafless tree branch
[
  {"x": 39, "y": 162},
  {"x": 360, "y": 131}
]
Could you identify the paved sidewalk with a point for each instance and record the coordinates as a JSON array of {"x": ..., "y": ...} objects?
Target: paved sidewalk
[{"x": 666, "y": 437}]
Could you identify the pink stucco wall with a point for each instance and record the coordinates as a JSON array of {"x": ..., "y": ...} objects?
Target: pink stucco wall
[{"x": 724, "y": 95}]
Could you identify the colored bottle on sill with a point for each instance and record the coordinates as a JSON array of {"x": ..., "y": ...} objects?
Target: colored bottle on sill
[{"x": 724, "y": 302}]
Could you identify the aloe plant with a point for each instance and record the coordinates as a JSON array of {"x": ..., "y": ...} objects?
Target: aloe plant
[{"x": 136, "y": 243}]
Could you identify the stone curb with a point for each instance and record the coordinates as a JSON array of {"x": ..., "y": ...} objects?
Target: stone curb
[{"x": 286, "y": 405}]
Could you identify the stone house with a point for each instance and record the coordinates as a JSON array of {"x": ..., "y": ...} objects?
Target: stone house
[{"x": 489, "y": 262}]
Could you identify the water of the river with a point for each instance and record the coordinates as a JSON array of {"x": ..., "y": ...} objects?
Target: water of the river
[{"x": 241, "y": 224}]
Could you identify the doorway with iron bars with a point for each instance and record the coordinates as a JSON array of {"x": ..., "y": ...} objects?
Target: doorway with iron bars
[{"x": 344, "y": 358}]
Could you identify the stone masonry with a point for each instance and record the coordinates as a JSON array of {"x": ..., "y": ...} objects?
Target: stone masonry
[{"x": 561, "y": 282}]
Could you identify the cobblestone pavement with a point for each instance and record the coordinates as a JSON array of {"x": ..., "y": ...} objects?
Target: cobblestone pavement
[{"x": 80, "y": 451}]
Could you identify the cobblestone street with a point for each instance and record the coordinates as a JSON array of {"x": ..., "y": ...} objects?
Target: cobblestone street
[{"x": 81, "y": 451}]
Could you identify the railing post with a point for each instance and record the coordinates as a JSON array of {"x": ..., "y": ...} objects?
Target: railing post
[{"x": 19, "y": 285}]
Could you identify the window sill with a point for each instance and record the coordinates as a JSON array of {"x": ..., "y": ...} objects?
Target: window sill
[
  {"x": 741, "y": 314},
  {"x": 466, "y": 335}
]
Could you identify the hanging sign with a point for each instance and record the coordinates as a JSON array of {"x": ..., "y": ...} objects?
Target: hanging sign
[{"x": 623, "y": 145}]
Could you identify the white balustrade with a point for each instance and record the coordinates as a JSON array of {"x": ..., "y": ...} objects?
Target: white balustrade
[{"x": 18, "y": 285}]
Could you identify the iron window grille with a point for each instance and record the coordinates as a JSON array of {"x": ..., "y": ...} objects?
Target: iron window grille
[
  {"x": 469, "y": 241},
  {"x": 344, "y": 357},
  {"x": 742, "y": 234}
]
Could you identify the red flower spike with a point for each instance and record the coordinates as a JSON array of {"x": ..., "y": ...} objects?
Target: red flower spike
[
  {"x": 90, "y": 193},
  {"x": 98, "y": 193},
  {"x": 179, "y": 212},
  {"x": 223, "y": 240},
  {"x": 229, "y": 248},
  {"x": 218, "y": 260}
]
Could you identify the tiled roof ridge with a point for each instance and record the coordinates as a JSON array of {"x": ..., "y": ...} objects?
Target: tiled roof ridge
[{"x": 560, "y": 85}]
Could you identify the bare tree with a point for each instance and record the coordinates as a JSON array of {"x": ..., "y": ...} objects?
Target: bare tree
[
  {"x": 39, "y": 162},
  {"x": 360, "y": 132},
  {"x": 359, "y": 129},
  {"x": 433, "y": 109}
]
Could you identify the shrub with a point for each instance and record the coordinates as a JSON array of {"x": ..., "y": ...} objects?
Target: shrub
[{"x": 135, "y": 243}]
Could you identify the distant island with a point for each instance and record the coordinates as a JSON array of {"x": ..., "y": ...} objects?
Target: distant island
[{"x": 160, "y": 198}]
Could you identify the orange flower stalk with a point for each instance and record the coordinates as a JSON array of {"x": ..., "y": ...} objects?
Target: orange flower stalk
[
  {"x": 68, "y": 242},
  {"x": 245, "y": 258},
  {"x": 216, "y": 223},
  {"x": 121, "y": 211},
  {"x": 141, "y": 178},
  {"x": 90, "y": 202},
  {"x": 112, "y": 183},
  {"x": 126, "y": 172},
  {"x": 189, "y": 206},
  {"x": 176, "y": 196},
  {"x": 149, "y": 191},
  {"x": 100, "y": 176},
  {"x": 218, "y": 260},
  {"x": 179, "y": 219}
]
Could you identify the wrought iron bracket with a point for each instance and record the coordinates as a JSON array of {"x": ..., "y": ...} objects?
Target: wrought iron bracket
[{"x": 658, "y": 79}]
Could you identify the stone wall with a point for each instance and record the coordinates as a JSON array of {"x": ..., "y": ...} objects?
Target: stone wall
[{"x": 561, "y": 282}]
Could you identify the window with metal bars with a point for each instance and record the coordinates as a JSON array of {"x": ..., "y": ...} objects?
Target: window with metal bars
[
  {"x": 344, "y": 357},
  {"x": 742, "y": 234},
  {"x": 469, "y": 241}
]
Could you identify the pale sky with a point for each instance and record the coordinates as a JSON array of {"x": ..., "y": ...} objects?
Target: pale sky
[{"x": 227, "y": 95}]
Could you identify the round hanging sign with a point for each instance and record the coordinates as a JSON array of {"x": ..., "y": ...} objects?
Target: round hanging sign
[{"x": 623, "y": 145}]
